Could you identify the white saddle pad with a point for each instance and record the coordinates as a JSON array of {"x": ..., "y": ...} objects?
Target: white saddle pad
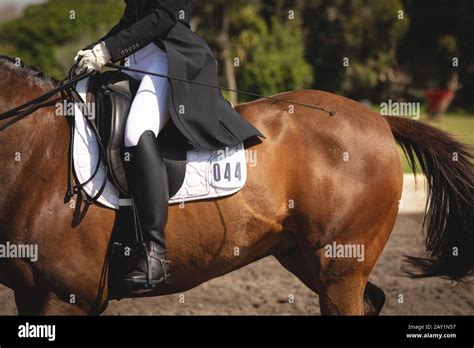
[{"x": 209, "y": 174}]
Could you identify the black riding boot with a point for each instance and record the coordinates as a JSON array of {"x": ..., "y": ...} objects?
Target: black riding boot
[{"x": 148, "y": 185}]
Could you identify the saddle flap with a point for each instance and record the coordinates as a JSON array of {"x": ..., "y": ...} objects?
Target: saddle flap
[{"x": 114, "y": 93}]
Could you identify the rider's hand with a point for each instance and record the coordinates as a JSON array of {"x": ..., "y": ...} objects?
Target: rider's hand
[
  {"x": 79, "y": 55},
  {"x": 94, "y": 59}
]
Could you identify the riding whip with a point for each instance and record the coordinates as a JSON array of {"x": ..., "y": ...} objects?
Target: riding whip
[{"x": 119, "y": 67}]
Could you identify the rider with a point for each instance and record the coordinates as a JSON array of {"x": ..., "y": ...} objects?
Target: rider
[{"x": 155, "y": 36}]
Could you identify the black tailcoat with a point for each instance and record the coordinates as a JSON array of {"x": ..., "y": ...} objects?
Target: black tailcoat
[{"x": 200, "y": 113}]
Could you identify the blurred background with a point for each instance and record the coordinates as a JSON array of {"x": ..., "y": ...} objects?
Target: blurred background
[{"x": 396, "y": 49}]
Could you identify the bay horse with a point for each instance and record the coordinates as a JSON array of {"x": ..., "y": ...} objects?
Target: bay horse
[{"x": 319, "y": 180}]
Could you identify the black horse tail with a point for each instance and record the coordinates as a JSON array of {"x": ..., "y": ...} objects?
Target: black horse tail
[{"x": 449, "y": 217}]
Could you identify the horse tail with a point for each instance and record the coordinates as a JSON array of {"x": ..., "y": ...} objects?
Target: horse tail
[{"x": 449, "y": 216}]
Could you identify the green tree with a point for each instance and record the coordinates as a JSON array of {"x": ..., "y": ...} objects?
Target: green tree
[
  {"x": 48, "y": 35},
  {"x": 271, "y": 56},
  {"x": 266, "y": 56},
  {"x": 367, "y": 33}
]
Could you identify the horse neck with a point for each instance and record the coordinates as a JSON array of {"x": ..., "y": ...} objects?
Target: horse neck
[{"x": 32, "y": 150}]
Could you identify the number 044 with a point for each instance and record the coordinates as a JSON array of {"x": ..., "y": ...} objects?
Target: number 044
[{"x": 228, "y": 174}]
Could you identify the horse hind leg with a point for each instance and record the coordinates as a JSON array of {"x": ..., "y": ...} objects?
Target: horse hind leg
[
  {"x": 340, "y": 284},
  {"x": 295, "y": 263},
  {"x": 343, "y": 297},
  {"x": 345, "y": 289}
]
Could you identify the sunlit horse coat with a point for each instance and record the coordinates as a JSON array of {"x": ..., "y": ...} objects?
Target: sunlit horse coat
[{"x": 200, "y": 113}]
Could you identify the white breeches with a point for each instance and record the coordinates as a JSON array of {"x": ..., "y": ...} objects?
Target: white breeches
[{"x": 149, "y": 110}]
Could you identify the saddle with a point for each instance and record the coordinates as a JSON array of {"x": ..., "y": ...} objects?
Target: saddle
[{"x": 112, "y": 93}]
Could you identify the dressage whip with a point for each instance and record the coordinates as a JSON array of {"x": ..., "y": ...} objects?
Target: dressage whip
[{"x": 119, "y": 67}]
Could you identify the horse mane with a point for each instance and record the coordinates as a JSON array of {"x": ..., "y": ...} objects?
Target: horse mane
[{"x": 31, "y": 73}]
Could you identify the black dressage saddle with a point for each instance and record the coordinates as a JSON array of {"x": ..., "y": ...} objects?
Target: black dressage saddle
[{"x": 113, "y": 93}]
